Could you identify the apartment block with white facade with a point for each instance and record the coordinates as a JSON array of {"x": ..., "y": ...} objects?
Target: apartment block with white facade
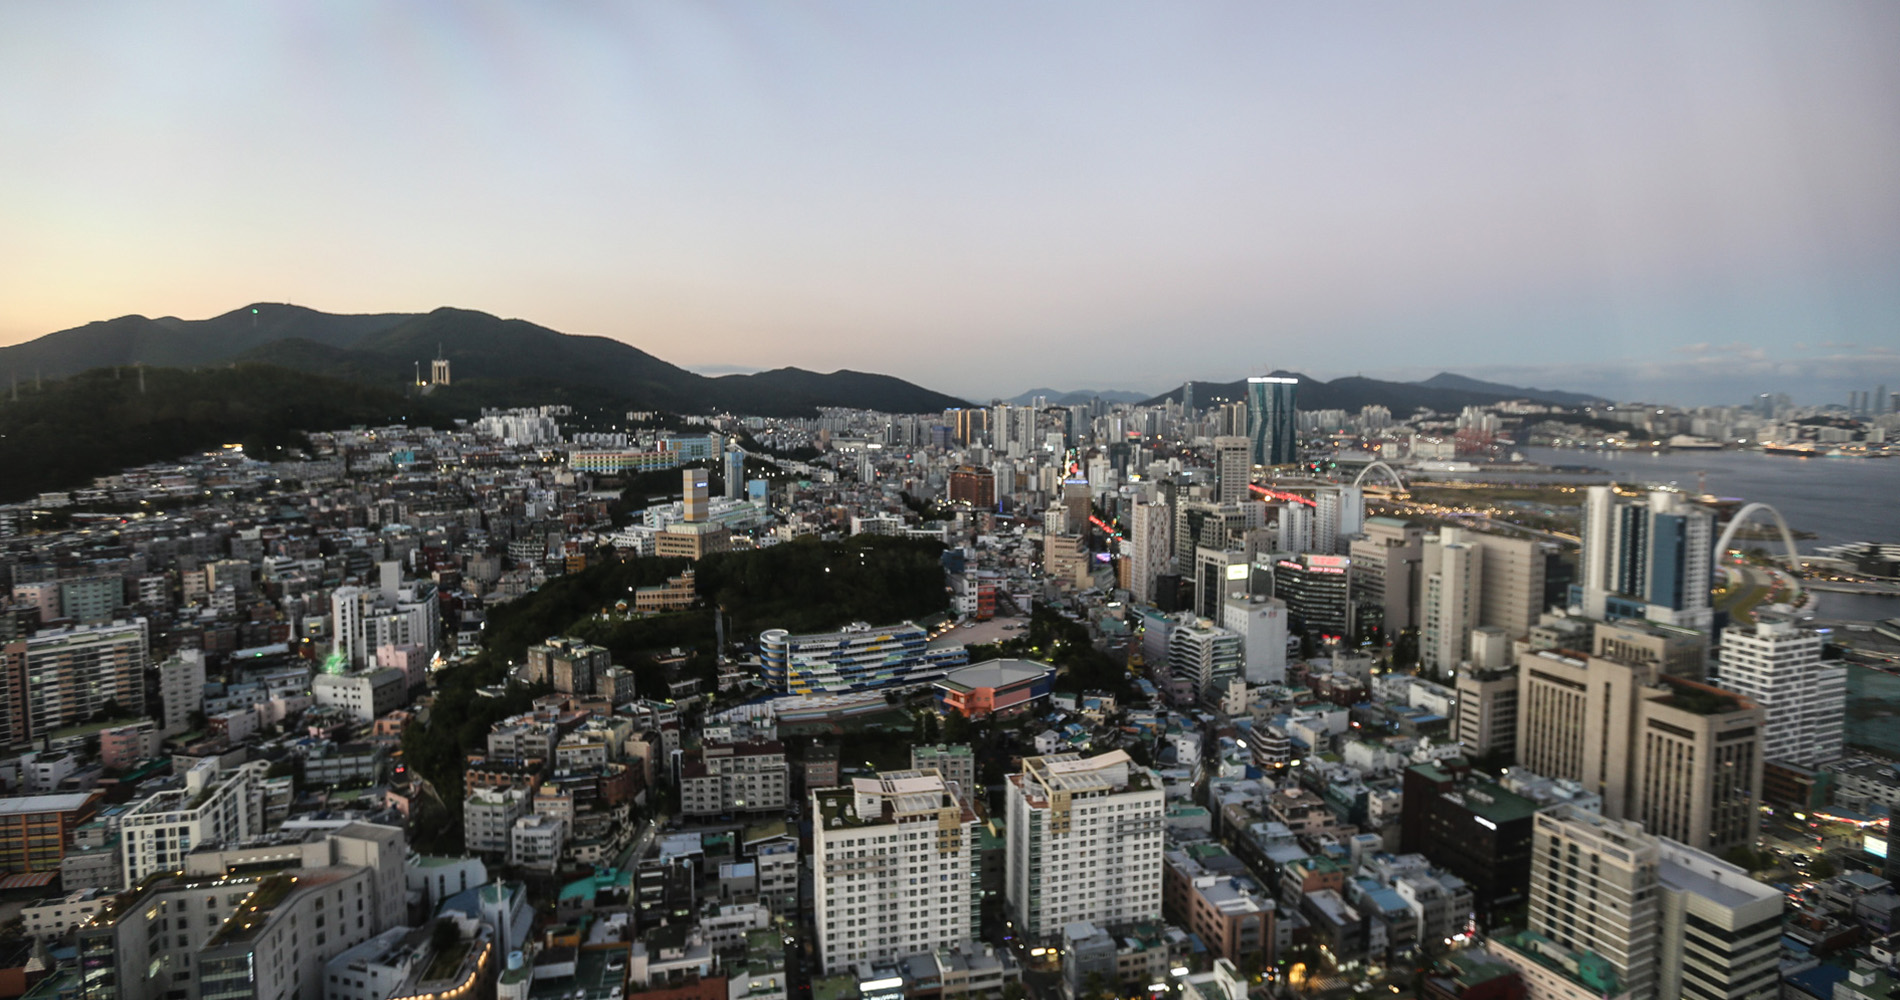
[
  {"x": 213, "y": 807},
  {"x": 1085, "y": 843},
  {"x": 1777, "y": 664},
  {"x": 893, "y": 868}
]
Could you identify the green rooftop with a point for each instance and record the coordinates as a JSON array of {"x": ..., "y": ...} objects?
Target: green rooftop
[
  {"x": 600, "y": 881},
  {"x": 1592, "y": 970},
  {"x": 1497, "y": 803},
  {"x": 1468, "y": 971}
]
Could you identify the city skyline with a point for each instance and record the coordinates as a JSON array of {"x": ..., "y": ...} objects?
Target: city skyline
[{"x": 1685, "y": 202}]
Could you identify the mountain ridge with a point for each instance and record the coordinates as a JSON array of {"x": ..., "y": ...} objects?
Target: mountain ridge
[
  {"x": 1075, "y": 397},
  {"x": 1402, "y": 398},
  {"x": 483, "y": 349}
]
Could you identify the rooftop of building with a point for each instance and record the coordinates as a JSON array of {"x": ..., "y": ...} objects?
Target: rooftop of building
[
  {"x": 1700, "y": 699},
  {"x": 1495, "y": 802},
  {"x": 1592, "y": 970},
  {"x": 257, "y": 910},
  {"x": 1714, "y": 879},
  {"x": 1475, "y": 967},
  {"x": 26, "y": 804},
  {"x": 995, "y": 674}
]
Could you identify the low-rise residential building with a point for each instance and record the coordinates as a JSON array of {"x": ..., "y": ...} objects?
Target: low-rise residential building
[
  {"x": 723, "y": 778},
  {"x": 488, "y": 818}
]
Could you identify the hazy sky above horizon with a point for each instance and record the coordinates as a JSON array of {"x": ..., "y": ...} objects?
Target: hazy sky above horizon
[{"x": 1682, "y": 201}]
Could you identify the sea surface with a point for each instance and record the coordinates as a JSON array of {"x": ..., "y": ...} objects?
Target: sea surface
[{"x": 1837, "y": 499}]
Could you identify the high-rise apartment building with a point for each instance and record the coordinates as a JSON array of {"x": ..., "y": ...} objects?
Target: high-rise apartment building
[
  {"x": 1777, "y": 664},
  {"x": 1150, "y": 535},
  {"x": 1653, "y": 554},
  {"x": 1682, "y": 757},
  {"x": 1339, "y": 514},
  {"x": 1261, "y": 623},
  {"x": 971, "y": 426},
  {"x": 62, "y": 677},
  {"x": 92, "y": 599},
  {"x": 1233, "y": 469},
  {"x": 892, "y": 868},
  {"x": 181, "y": 689},
  {"x": 1453, "y": 574},
  {"x": 1271, "y": 422},
  {"x": 1085, "y": 843},
  {"x": 1293, "y": 529},
  {"x": 955, "y": 761}
]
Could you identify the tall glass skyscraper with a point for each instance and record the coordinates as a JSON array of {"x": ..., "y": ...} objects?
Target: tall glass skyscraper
[{"x": 1270, "y": 422}]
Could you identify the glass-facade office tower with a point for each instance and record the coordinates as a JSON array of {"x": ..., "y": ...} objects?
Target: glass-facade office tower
[{"x": 1270, "y": 429}]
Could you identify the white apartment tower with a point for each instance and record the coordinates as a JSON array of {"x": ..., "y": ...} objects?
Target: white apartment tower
[
  {"x": 1453, "y": 575},
  {"x": 1339, "y": 514},
  {"x": 1151, "y": 536},
  {"x": 1084, "y": 843},
  {"x": 181, "y": 688},
  {"x": 156, "y": 833},
  {"x": 1261, "y": 623},
  {"x": 892, "y": 868},
  {"x": 1295, "y": 528},
  {"x": 1777, "y": 665}
]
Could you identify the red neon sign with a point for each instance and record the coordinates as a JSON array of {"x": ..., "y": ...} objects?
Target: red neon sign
[{"x": 1277, "y": 495}]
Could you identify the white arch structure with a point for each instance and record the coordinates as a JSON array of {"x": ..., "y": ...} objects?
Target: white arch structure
[
  {"x": 1390, "y": 472},
  {"x": 1741, "y": 516}
]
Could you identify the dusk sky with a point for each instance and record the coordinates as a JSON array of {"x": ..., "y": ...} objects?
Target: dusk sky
[{"x": 1676, "y": 201}]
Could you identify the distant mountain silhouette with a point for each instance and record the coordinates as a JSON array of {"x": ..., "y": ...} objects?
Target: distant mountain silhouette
[
  {"x": 1076, "y": 397},
  {"x": 1557, "y": 397},
  {"x": 1443, "y": 393},
  {"x": 505, "y": 357}
]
